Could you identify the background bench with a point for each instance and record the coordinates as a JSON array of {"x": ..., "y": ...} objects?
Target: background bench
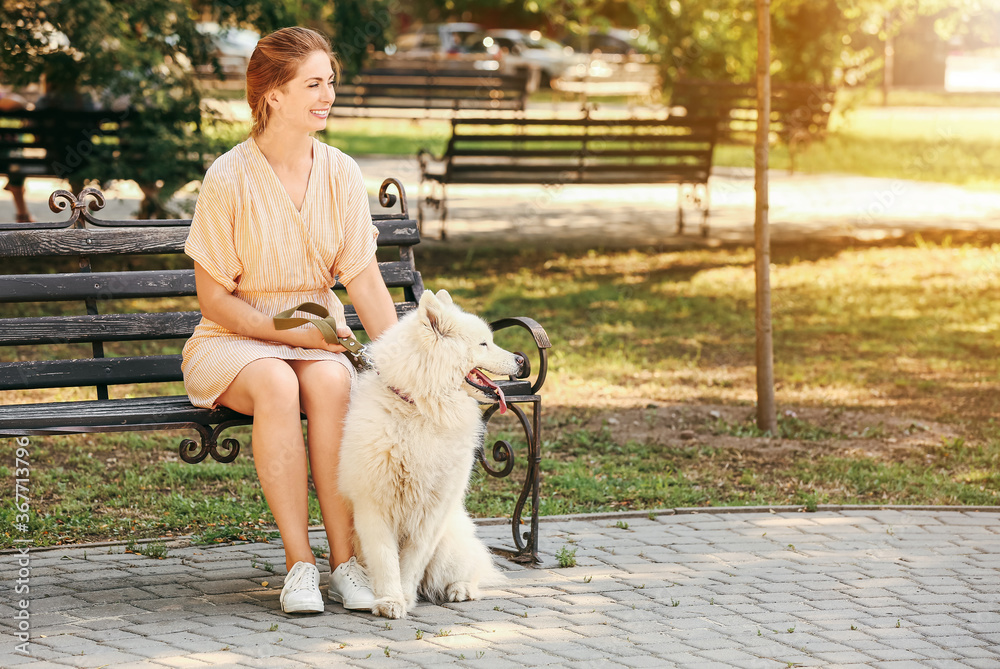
[
  {"x": 58, "y": 143},
  {"x": 799, "y": 112},
  {"x": 557, "y": 152},
  {"x": 429, "y": 86},
  {"x": 120, "y": 304}
]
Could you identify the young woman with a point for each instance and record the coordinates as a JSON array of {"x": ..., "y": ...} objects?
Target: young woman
[{"x": 280, "y": 217}]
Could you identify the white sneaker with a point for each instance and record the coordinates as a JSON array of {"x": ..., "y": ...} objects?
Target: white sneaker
[
  {"x": 301, "y": 593},
  {"x": 350, "y": 586}
]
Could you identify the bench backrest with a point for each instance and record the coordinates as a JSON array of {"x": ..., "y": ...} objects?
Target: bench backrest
[
  {"x": 581, "y": 150},
  {"x": 57, "y": 142},
  {"x": 432, "y": 87},
  {"x": 798, "y": 111},
  {"x": 97, "y": 318}
]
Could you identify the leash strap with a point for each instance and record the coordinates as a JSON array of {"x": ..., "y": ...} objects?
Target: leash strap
[{"x": 327, "y": 326}]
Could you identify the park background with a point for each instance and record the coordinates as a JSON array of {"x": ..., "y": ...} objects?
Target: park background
[{"x": 884, "y": 289}]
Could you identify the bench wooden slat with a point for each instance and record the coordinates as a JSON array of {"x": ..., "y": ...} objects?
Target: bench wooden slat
[
  {"x": 90, "y": 241},
  {"x": 531, "y": 172},
  {"x": 24, "y": 375},
  {"x": 578, "y": 141},
  {"x": 567, "y": 177},
  {"x": 590, "y": 154},
  {"x": 136, "y": 284},
  {"x": 102, "y": 327},
  {"x": 97, "y": 285},
  {"x": 123, "y": 239},
  {"x": 61, "y": 417}
]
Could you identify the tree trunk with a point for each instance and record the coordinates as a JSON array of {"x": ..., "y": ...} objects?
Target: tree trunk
[
  {"x": 889, "y": 58},
  {"x": 766, "y": 417}
]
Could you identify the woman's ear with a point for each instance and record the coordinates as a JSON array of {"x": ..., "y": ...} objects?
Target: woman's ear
[{"x": 273, "y": 98}]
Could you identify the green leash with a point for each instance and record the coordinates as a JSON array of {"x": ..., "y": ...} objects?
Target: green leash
[{"x": 327, "y": 325}]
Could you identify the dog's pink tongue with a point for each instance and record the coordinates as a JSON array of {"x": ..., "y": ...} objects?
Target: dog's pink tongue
[{"x": 487, "y": 381}]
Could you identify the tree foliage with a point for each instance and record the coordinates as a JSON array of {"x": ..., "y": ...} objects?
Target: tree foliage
[{"x": 139, "y": 58}]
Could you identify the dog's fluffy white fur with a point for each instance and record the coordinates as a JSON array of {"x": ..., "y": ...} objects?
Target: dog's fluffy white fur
[{"x": 409, "y": 444}]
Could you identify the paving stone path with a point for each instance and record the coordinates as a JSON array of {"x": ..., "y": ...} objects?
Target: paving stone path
[{"x": 840, "y": 587}]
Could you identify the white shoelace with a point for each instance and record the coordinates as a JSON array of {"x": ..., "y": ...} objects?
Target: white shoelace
[
  {"x": 304, "y": 578},
  {"x": 356, "y": 573}
]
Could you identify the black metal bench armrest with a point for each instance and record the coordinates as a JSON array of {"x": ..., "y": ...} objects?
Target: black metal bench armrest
[{"x": 541, "y": 342}]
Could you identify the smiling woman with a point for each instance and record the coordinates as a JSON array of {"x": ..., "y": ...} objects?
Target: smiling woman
[{"x": 280, "y": 218}]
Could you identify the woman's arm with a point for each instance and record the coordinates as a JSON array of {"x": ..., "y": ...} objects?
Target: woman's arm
[
  {"x": 232, "y": 313},
  {"x": 372, "y": 301}
]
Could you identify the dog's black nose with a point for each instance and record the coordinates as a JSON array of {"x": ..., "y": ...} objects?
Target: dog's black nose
[{"x": 523, "y": 366}]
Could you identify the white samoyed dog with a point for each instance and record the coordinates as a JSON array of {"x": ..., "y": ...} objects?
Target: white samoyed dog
[{"x": 408, "y": 447}]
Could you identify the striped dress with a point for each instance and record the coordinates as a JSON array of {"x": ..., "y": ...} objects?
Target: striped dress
[{"x": 248, "y": 236}]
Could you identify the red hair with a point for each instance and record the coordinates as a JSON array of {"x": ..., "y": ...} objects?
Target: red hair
[{"x": 274, "y": 62}]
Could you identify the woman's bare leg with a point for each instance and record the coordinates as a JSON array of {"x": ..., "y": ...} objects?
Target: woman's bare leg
[
  {"x": 324, "y": 392},
  {"x": 20, "y": 206},
  {"x": 268, "y": 390}
]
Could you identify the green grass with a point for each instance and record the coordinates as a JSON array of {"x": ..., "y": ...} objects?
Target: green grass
[
  {"x": 942, "y": 145},
  {"x": 589, "y": 472}
]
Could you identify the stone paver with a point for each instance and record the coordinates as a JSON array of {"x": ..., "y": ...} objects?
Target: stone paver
[{"x": 850, "y": 594}]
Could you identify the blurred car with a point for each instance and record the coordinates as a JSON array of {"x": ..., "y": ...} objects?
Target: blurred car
[
  {"x": 613, "y": 41},
  {"x": 434, "y": 40},
  {"x": 519, "y": 50}
]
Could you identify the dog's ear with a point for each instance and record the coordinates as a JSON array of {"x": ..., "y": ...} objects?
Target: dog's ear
[
  {"x": 444, "y": 297},
  {"x": 431, "y": 313}
]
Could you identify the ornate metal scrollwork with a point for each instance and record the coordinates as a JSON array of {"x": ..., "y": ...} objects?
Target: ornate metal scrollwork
[
  {"x": 526, "y": 543},
  {"x": 80, "y": 208},
  {"x": 192, "y": 452},
  {"x": 387, "y": 199},
  {"x": 502, "y": 452}
]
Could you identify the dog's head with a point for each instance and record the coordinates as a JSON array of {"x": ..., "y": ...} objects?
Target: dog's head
[{"x": 441, "y": 345}]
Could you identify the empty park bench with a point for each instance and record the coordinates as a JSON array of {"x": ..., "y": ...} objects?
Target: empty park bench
[
  {"x": 57, "y": 142},
  {"x": 109, "y": 289},
  {"x": 571, "y": 151},
  {"x": 799, "y": 112},
  {"x": 399, "y": 89}
]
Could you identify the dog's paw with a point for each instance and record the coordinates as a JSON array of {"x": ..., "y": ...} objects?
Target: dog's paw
[
  {"x": 389, "y": 607},
  {"x": 461, "y": 591}
]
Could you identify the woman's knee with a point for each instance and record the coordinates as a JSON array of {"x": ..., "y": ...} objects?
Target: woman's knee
[
  {"x": 324, "y": 381},
  {"x": 269, "y": 382}
]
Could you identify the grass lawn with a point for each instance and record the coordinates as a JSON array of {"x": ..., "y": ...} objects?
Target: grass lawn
[{"x": 887, "y": 363}]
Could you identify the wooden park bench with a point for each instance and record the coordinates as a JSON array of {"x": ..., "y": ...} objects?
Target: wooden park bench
[
  {"x": 560, "y": 152},
  {"x": 799, "y": 112},
  {"x": 110, "y": 288},
  {"x": 401, "y": 88}
]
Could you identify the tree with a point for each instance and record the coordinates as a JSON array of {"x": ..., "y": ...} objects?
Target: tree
[{"x": 138, "y": 58}]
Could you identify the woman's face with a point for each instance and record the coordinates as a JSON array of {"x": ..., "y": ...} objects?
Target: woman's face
[{"x": 304, "y": 102}]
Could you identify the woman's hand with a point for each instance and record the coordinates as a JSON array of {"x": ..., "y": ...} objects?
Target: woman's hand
[{"x": 311, "y": 337}]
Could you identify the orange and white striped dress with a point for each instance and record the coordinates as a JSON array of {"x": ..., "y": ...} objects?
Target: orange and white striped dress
[{"x": 248, "y": 236}]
